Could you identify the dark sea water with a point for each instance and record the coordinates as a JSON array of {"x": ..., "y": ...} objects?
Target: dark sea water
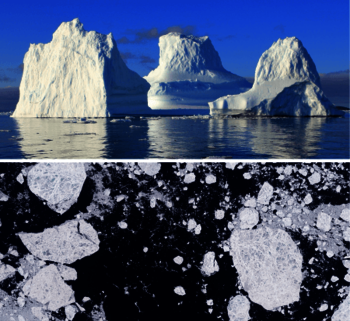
[{"x": 286, "y": 138}]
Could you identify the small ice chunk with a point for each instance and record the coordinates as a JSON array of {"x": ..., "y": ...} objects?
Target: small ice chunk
[
  {"x": 314, "y": 178},
  {"x": 346, "y": 234},
  {"x": 265, "y": 194},
  {"x": 334, "y": 278},
  {"x": 120, "y": 198},
  {"x": 210, "y": 302},
  {"x": 198, "y": 229},
  {"x": 308, "y": 199},
  {"x": 323, "y": 307},
  {"x": 150, "y": 168},
  {"x": 324, "y": 222},
  {"x": 20, "y": 178},
  {"x": 346, "y": 263},
  {"x": 191, "y": 224},
  {"x": 179, "y": 290},
  {"x": 238, "y": 308},
  {"x": 189, "y": 178},
  {"x": 86, "y": 299},
  {"x": 210, "y": 266},
  {"x": 210, "y": 179},
  {"x": 288, "y": 170},
  {"x": 3, "y": 197},
  {"x": 287, "y": 221},
  {"x": 231, "y": 165},
  {"x": 249, "y": 217},
  {"x": 123, "y": 225},
  {"x": 178, "y": 259},
  {"x": 145, "y": 249},
  {"x": 247, "y": 176},
  {"x": 21, "y": 302},
  {"x": 342, "y": 314},
  {"x": 20, "y": 318},
  {"x": 303, "y": 171},
  {"x": 345, "y": 214},
  {"x": 40, "y": 313},
  {"x": 70, "y": 311},
  {"x": 330, "y": 254},
  {"x": 67, "y": 273},
  {"x": 219, "y": 214},
  {"x": 250, "y": 203},
  {"x": 6, "y": 271},
  {"x": 347, "y": 277}
]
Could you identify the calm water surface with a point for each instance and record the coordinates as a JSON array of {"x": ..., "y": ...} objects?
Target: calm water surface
[{"x": 322, "y": 138}]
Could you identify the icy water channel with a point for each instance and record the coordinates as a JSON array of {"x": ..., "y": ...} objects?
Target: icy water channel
[{"x": 290, "y": 138}]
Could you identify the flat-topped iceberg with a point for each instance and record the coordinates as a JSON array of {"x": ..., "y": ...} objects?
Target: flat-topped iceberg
[
  {"x": 79, "y": 74},
  {"x": 190, "y": 73},
  {"x": 286, "y": 83}
]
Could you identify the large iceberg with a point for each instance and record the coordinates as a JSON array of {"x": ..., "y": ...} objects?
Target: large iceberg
[
  {"x": 79, "y": 74},
  {"x": 286, "y": 83},
  {"x": 190, "y": 73}
]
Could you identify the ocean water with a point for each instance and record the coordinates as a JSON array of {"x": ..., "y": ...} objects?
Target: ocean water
[{"x": 168, "y": 138}]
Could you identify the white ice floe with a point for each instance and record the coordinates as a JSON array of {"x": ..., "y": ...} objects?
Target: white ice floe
[
  {"x": 324, "y": 222},
  {"x": 265, "y": 194},
  {"x": 250, "y": 202},
  {"x": 47, "y": 287},
  {"x": 249, "y": 217},
  {"x": 210, "y": 179},
  {"x": 79, "y": 74},
  {"x": 59, "y": 184},
  {"x": 345, "y": 214},
  {"x": 20, "y": 178},
  {"x": 219, "y": 214},
  {"x": 189, "y": 178},
  {"x": 40, "y": 313},
  {"x": 286, "y": 83},
  {"x": 191, "y": 224},
  {"x": 269, "y": 265},
  {"x": 6, "y": 271},
  {"x": 70, "y": 312},
  {"x": 323, "y": 307},
  {"x": 67, "y": 273},
  {"x": 315, "y": 178},
  {"x": 343, "y": 311},
  {"x": 178, "y": 259},
  {"x": 123, "y": 225},
  {"x": 190, "y": 73},
  {"x": 238, "y": 308},
  {"x": 179, "y": 290},
  {"x": 150, "y": 168},
  {"x": 210, "y": 266},
  {"x": 346, "y": 234},
  {"x": 3, "y": 197},
  {"x": 308, "y": 199},
  {"x": 64, "y": 244}
]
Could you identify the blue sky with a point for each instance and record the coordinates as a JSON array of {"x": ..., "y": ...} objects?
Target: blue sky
[{"x": 240, "y": 30}]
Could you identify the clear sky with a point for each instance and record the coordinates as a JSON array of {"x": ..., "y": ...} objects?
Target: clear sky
[{"x": 241, "y": 30}]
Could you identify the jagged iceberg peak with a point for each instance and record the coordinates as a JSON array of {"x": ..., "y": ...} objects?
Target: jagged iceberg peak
[
  {"x": 79, "y": 74},
  {"x": 286, "y": 59},
  {"x": 185, "y": 57}
]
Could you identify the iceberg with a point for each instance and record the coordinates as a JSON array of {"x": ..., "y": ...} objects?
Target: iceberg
[
  {"x": 190, "y": 74},
  {"x": 79, "y": 74},
  {"x": 286, "y": 83}
]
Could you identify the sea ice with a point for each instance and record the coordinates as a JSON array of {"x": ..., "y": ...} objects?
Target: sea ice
[
  {"x": 269, "y": 265},
  {"x": 238, "y": 308},
  {"x": 324, "y": 222},
  {"x": 308, "y": 199},
  {"x": 67, "y": 273},
  {"x": 70, "y": 312},
  {"x": 20, "y": 178},
  {"x": 150, "y": 168},
  {"x": 179, "y": 290},
  {"x": 345, "y": 214},
  {"x": 210, "y": 266},
  {"x": 3, "y": 197},
  {"x": 219, "y": 214},
  {"x": 210, "y": 179},
  {"x": 178, "y": 259},
  {"x": 343, "y": 311},
  {"x": 79, "y": 74},
  {"x": 47, "y": 287},
  {"x": 6, "y": 271},
  {"x": 286, "y": 83},
  {"x": 189, "y": 178},
  {"x": 249, "y": 217},
  {"x": 64, "y": 244},
  {"x": 315, "y": 178},
  {"x": 40, "y": 313},
  {"x": 59, "y": 184},
  {"x": 265, "y": 194}
]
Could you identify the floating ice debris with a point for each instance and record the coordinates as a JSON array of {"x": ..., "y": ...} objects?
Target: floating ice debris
[
  {"x": 47, "y": 287},
  {"x": 346, "y": 263},
  {"x": 21, "y": 302},
  {"x": 66, "y": 243},
  {"x": 178, "y": 259},
  {"x": 210, "y": 302},
  {"x": 198, "y": 229},
  {"x": 247, "y": 176},
  {"x": 265, "y": 194},
  {"x": 6, "y": 271},
  {"x": 150, "y": 168},
  {"x": 303, "y": 171},
  {"x": 346, "y": 234},
  {"x": 20, "y": 178},
  {"x": 40, "y": 313},
  {"x": 231, "y": 165},
  {"x": 343, "y": 312},
  {"x": 324, "y": 222},
  {"x": 179, "y": 290},
  {"x": 250, "y": 203},
  {"x": 189, "y": 178},
  {"x": 287, "y": 221},
  {"x": 210, "y": 266},
  {"x": 191, "y": 224},
  {"x": 330, "y": 254},
  {"x": 269, "y": 265},
  {"x": 123, "y": 225},
  {"x": 219, "y": 214},
  {"x": 210, "y": 179},
  {"x": 59, "y": 184},
  {"x": 323, "y": 307},
  {"x": 347, "y": 277},
  {"x": 249, "y": 217},
  {"x": 334, "y": 279},
  {"x": 3, "y": 197},
  {"x": 314, "y": 178},
  {"x": 120, "y": 198},
  {"x": 345, "y": 214},
  {"x": 238, "y": 308},
  {"x": 70, "y": 312},
  {"x": 308, "y": 199},
  {"x": 67, "y": 273}
]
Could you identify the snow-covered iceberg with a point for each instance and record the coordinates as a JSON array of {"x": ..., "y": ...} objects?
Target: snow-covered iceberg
[
  {"x": 190, "y": 73},
  {"x": 286, "y": 83},
  {"x": 79, "y": 74}
]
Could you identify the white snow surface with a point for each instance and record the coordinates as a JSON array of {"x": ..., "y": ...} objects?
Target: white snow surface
[
  {"x": 79, "y": 74},
  {"x": 286, "y": 83},
  {"x": 190, "y": 73}
]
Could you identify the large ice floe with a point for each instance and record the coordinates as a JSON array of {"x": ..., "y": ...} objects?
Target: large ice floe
[
  {"x": 286, "y": 83},
  {"x": 79, "y": 74},
  {"x": 64, "y": 244},
  {"x": 190, "y": 73},
  {"x": 59, "y": 184},
  {"x": 269, "y": 266}
]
